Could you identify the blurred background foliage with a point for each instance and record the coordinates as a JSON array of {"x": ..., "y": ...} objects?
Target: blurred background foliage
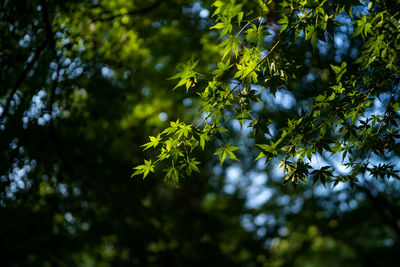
[{"x": 83, "y": 85}]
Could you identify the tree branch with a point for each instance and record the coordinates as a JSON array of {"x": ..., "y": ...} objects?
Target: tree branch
[
  {"x": 21, "y": 79},
  {"x": 57, "y": 143},
  {"x": 50, "y": 37}
]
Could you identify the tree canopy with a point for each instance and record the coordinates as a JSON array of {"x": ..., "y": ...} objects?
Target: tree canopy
[{"x": 209, "y": 101}]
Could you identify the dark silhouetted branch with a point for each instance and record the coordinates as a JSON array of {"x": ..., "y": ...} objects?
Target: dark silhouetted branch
[
  {"x": 21, "y": 79},
  {"x": 65, "y": 163},
  {"x": 50, "y": 37}
]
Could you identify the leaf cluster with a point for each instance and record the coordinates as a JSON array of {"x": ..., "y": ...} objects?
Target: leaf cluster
[{"x": 340, "y": 120}]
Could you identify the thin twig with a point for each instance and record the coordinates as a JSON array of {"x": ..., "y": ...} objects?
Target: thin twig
[{"x": 247, "y": 24}]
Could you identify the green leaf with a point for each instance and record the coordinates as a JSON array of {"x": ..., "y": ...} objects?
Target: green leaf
[
  {"x": 314, "y": 40},
  {"x": 240, "y": 17},
  {"x": 261, "y": 155},
  {"x": 187, "y": 75},
  {"x": 218, "y": 26},
  {"x": 183, "y": 130},
  {"x": 154, "y": 141},
  {"x": 284, "y": 22},
  {"x": 226, "y": 150},
  {"x": 172, "y": 173},
  {"x": 338, "y": 88},
  {"x": 192, "y": 165},
  {"x": 144, "y": 169},
  {"x": 203, "y": 139}
]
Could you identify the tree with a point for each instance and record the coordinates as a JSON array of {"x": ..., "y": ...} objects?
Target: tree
[
  {"x": 351, "y": 112},
  {"x": 83, "y": 85},
  {"x": 78, "y": 96}
]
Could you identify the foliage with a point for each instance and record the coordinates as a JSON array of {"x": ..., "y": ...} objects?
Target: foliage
[
  {"x": 84, "y": 83},
  {"x": 340, "y": 118}
]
